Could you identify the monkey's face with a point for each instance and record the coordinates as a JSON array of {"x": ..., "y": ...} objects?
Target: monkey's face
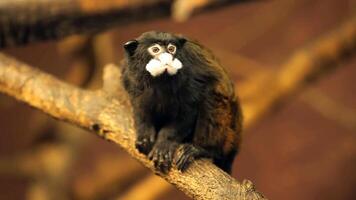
[
  {"x": 155, "y": 53},
  {"x": 163, "y": 60}
]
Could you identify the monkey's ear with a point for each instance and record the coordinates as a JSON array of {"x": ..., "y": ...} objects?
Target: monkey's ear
[
  {"x": 182, "y": 41},
  {"x": 131, "y": 46}
]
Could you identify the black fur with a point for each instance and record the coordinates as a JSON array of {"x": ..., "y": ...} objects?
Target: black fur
[{"x": 170, "y": 110}]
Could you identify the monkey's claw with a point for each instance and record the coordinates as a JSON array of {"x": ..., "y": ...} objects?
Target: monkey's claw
[
  {"x": 162, "y": 156},
  {"x": 185, "y": 155},
  {"x": 144, "y": 143}
]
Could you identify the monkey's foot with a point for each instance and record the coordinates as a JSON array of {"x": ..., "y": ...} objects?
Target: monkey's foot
[
  {"x": 162, "y": 155},
  {"x": 186, "y": 154},
  {"x": 144, "y": 142}
]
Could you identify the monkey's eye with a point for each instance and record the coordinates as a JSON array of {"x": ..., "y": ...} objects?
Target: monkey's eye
[
  {"x": 155, "y": 49},
  {"x": 171, "y": 48}
]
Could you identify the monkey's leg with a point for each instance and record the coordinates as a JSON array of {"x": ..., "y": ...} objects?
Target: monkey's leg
[
  {"x": 168, "y": 139},
  {"x": 213, "y": 143},
  {"x": 225, "y": 162},
  {"x": 187, "y": 153},
  {"x": 162, "y": 155}
]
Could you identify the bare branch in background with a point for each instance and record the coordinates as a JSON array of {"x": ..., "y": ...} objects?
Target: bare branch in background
[
  {"x": 183, "y": 9},
  {"x": 330, "y": 109},
  {"x": 22, "y": 22},
  {"x": 103, "y": 183},
  {"x": 157, "y": 188},
  {"x": 302, "y": 68}
]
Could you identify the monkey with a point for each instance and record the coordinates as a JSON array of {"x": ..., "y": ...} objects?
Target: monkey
[{"x": 184, "y": 103}]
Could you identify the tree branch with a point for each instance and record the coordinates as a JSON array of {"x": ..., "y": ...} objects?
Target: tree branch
[
  {"x": 157, "y": 187},
  {"x": 183, "y": 9},
  {"x": 22, "y": 22},
  {"x": 103, "y": 183},
  {"x": 305, "y": 66},
  {"x": 111, "y": 117},
  {"x": 330, "y": 108}
]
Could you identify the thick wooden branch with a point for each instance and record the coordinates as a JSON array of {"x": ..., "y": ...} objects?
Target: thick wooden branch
[{"x": 110, "y": 117}]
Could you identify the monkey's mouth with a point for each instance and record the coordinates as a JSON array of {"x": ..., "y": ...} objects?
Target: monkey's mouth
[{"x": 164, "y": 63}]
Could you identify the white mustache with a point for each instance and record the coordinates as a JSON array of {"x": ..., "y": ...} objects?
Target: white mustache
[{"x": 163, "y": 62}]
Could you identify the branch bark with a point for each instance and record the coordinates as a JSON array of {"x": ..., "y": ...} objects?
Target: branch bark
[{"x": 111, "y": 117}]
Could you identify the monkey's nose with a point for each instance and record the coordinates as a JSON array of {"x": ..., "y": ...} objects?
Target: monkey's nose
[{"x": 166, "y": 58}]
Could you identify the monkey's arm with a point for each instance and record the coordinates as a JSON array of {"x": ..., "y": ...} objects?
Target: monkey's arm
[{"x": 146, "y": 133}]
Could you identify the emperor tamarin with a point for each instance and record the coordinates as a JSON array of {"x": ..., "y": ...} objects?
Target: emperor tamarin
[{"x": 184, "y": 103}]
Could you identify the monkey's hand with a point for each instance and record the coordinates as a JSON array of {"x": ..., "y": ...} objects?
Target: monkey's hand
[
  {"x": 186, "y": 154},
  {"x": 145, "y": 140},
  {"x": 162, "y": 155}
]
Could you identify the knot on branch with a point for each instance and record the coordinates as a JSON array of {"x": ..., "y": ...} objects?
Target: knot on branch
[{"x": 249, "y": 188}]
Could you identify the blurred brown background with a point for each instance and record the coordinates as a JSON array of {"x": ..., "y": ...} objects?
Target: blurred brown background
[{"x": 305, "y": 150}]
